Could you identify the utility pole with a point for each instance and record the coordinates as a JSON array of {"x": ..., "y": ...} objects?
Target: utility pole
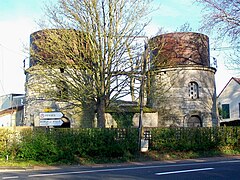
[{"x": 141, "y": 95}]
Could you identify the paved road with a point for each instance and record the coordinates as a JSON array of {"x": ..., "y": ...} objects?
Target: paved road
[{"x": 198, "y": 169}]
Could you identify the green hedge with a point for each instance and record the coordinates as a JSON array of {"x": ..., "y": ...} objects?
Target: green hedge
[
  {"x": 196, "y": 139},
  {"x": 38, "y": 145},
  {"x": 65, "y": 145}
]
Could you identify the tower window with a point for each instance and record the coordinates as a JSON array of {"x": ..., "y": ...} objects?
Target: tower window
[
  {"x": 193, "y": 90},
  {"x": 62, "y": 70}
]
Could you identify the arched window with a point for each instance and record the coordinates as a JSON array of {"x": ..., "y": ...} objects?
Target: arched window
[{"x": 193, "y": 90}]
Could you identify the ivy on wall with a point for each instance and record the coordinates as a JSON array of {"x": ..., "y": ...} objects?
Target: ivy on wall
[{"x": 123, "y": 119}]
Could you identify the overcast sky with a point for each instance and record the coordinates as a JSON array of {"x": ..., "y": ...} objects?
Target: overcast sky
[{"x": 18, "y": 20}]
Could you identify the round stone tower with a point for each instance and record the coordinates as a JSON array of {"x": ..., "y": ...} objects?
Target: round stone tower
[
  {"x": 37, "y": 84},
  {"x": 182, "y": 83},
  {"x": 42, "y": 95}
]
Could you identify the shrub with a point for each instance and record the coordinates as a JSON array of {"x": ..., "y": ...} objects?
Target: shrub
[
  {"x": 38, "y": 145},
  {"x": 67, "y": 144},
  {"x": 9, "y": 144},
  {"x": 4, "y": 143},
  {"x": 194, "y": 139}
]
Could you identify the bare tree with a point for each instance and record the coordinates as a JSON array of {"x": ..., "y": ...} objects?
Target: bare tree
[
  {"x": 223, "y": 18},
  {"x": 94, "y": 56},
  {"x": 186, "y": 27}
]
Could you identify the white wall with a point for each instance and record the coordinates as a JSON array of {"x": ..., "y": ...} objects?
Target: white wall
[
  {"x": 5, "y": 120},
  {"x": 231, "y": 95}
]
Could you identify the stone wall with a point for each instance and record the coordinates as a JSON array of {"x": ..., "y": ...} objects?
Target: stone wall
[
  {"x": 38, "y": 99},
  {"x": 148, "y": 120}
]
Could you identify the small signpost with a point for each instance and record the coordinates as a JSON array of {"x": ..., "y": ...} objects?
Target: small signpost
[
  {"x": 50, "y": 115},
  {"x": 50, "y": 119},
  {"x": 50, "y": 122}
]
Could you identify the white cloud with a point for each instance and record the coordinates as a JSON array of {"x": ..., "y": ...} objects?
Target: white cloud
[{"x": 14, "y": 35}]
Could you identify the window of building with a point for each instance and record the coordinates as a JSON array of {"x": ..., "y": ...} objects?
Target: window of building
[
  {"x": 62, "y": 70},
  {"x": 193, "y": 90},
  {"x": 225, "y": 111}
]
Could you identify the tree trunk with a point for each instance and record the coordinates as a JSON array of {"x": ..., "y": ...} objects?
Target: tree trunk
[{"x": 101, "y": 112}]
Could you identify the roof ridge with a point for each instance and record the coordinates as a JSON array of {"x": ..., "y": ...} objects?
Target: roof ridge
[{"x": 236, "y": 79}]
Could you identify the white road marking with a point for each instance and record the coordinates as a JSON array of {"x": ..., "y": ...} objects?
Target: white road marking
[
  {"x": 133, "y": 168},
  {"x": 11, "y": 177},
  {"x": 184, "y": 171}
]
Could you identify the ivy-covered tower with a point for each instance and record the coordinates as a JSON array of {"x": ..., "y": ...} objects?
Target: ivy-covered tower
[{"x": 48, "y": 48}]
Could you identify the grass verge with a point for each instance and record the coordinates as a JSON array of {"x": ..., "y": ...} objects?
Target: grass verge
[
  {"x": 147, "y": 156},
  {"x": 20, "y": 163}
]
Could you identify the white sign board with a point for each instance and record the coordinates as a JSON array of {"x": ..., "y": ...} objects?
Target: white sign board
[
  {"x": 50, "y": 122},
  {"x": 144, "y": 145},
  {"x": 50, "y": 115}
]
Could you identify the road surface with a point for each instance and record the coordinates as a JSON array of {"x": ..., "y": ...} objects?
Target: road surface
[{"x": 198, "y": 169}]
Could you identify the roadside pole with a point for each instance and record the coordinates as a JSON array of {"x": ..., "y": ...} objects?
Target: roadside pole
[{"x": 141, "y": 96}]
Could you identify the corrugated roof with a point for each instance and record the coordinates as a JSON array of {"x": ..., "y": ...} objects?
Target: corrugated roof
[{"x": 11, "y": 100}]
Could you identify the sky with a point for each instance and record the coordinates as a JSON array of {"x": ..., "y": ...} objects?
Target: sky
[{"x": 18, "y": 19}]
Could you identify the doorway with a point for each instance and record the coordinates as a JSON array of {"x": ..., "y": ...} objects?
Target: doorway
[{"x": 194, "y": 121}]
